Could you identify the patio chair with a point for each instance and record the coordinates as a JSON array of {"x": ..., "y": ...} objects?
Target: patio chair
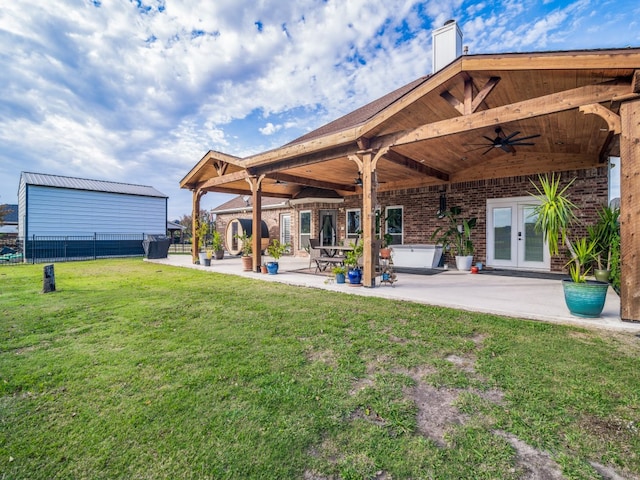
[{"x": 315, "y": 254}]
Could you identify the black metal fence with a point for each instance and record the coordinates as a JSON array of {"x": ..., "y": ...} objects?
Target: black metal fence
[{"x": 40, "y": 249}]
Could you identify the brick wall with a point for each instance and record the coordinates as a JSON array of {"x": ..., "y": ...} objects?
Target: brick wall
[
  {"x": 589, "y": 191},
  {"x": 271, "y": 217}
]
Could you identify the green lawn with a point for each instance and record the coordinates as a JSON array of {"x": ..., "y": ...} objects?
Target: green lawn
[{"x": 133, "y": 370}]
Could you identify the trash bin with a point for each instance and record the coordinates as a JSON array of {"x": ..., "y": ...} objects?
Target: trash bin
[{"x": 156, "y": 246}]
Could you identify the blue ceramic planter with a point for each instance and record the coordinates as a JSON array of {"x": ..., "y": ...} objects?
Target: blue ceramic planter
[
  {"x": 340, "y": 278},
  {"x": 585, "y": 299},
  {"x": 272, "y": 268},
  {"x": 355, "y": 276}
]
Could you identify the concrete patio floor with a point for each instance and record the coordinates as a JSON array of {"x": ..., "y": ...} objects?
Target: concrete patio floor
[{"x": 520, "y": 297}]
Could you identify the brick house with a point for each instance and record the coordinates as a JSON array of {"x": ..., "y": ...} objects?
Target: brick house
[{"x": 474, "y": 134}]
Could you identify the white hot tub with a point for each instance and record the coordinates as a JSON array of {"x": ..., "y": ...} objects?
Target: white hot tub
[{"x": 417, "y": 256}]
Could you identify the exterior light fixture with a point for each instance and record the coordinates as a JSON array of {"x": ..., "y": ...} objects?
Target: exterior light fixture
[{"x": 442, "y": 206}]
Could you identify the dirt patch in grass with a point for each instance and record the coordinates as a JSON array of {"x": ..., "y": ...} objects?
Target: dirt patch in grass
[
  {"x": 465, "y": 363},
  {"x": 327, "y": 357},
  {"x": 534, "y": 464},
  {"x": 436, "y": 411},
  {"x": 439, "y": 412}
]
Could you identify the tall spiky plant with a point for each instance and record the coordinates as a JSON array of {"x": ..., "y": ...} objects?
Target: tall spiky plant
[{"x": 554, "y": 219}]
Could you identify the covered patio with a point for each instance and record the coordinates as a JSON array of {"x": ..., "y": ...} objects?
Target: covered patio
[
  {"x": 571, "y": 111},
  {"x": 513, "y": 296}
]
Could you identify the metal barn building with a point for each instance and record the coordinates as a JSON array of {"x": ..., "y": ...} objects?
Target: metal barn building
[{"x": 78, "y": 214}]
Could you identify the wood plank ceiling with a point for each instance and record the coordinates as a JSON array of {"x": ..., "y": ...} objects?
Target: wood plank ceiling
[{"x": 455, "y": 100}]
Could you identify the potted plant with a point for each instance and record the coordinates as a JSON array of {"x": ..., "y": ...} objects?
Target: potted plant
[
  {"x": 457, "y": 237},
  {"x": 247, "y": 259},
  {"x": 555, "y": 216},
  {"x": 339, "y": 271},
  {"x": 217, "y": 245},
  {"x": 202, "y": 231},
  {"x": 385, "y": 245},
  {"x": 352, "y": 261},
  {"x": 603, "y": 234},
  {"x": 275, "y": 250}
]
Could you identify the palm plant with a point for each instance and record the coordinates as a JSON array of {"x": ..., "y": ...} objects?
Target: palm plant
[
  {"x": 603, "y": 234},
  {"x": 555, "y": 216}
]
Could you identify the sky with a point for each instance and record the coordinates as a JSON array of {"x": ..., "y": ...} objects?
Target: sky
[{"x": 138, "y": 91}]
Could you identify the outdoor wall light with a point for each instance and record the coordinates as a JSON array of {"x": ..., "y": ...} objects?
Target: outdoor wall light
[
  {"x": 442, "y": 207},
  {"x": 358, "y": 181}
]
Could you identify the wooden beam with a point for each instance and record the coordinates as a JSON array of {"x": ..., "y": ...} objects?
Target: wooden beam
[
  {"x": 453, "y": 101},
  {"x": 630, "y": 211},
  {"x": 468, "y": 93},
  {"x": 614, "y": 59},
  {"x": 556, "y": 102},
  {"x": 256, "y": 214},
  {"x": 195, "y": 215},
  {"x": 247, "y": 191},
  {"x": 191, "y": 178},
  {"x": 221, "y": 167},
  {"x": 470, "y": 104},
  {"x": 230, "y": 178},
  {"x": 368, "y": 220},
  {"x": 399, "y": 159},
  {"x": 285, "y": 177},
  {"x": 603, "y": 112},
  {"x": 312, "y": 151},
  {"x": 340, "y": 151},
  {"x": 635, "y": 82},
  {"x": 484, "y": 93}
]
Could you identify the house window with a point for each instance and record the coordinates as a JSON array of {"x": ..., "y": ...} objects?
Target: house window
[
  {"x": 305, "y": 228},
  {"x": 393, "y": 224},
  {"x": 354, "y": 228}
]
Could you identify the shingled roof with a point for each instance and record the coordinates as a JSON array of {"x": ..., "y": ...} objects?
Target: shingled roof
[
  {"x": 362, "y": 114},
  {"x": 239, "y": 203}
]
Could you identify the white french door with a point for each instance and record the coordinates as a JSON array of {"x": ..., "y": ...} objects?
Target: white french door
[{"x": 512, "y": 241}]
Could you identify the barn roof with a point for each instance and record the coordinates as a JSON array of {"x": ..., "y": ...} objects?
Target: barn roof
[
  {"x": 11, "y": 216},
  {"x": 74, "y": 183}
]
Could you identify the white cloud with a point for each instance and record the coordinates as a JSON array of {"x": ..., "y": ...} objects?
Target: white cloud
[
  {"x": 114, "y": 93},
  {"x": 270, "y": 129}
]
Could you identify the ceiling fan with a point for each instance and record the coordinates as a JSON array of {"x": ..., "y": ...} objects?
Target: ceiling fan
[{"x": 504, "y": 142}]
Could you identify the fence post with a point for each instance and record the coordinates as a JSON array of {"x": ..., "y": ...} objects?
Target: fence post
[{"x": 95, "y": 245}]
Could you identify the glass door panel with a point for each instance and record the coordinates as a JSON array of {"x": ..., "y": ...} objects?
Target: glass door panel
[
  {"x": 502, "y": 228},
  {"x": 512, "y": 241},
  {"x": 328, "y": 220},
  {"x": 532, "y": 250}
]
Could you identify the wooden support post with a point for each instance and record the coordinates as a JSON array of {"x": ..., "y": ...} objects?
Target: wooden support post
[
  {"x": 368, "y": 220},
  {"x": 195, "y": 213},
  {"x": 48, "y": 279},
  {"x": 630, "y": 211},
  {"x": 256, "y": 235}
]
